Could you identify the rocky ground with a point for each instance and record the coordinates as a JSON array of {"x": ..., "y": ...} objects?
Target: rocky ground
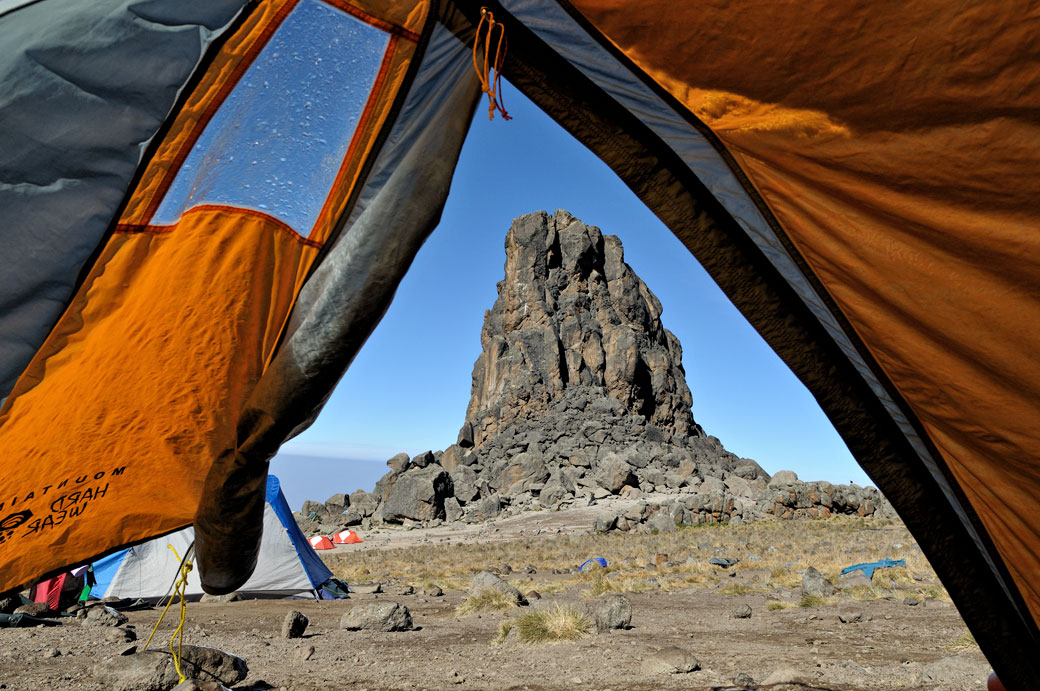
[{"x": 692, "y": 625}]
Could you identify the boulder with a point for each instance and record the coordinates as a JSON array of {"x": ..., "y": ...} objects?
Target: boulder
[
  {"x": 783, "y": 477},
  {"x": 605, "y": 522},
  {"x": 814, "y": 583},
  {"x": 661, "y": 522},
  {"x": 155, "y": 671},
  {"x": 377, "y": 616},
  {"x": 611, "y": 612},
  {"x": 424, "y": 459},
  {"x": 485, "y": 580},
  {"x": 615, "y": 473},
  {"x": 294, "y": 624},
  {"x": 363, "y": 503},
  {"x": 399, "y": 463},
  {"x": 418, "y": 495}
]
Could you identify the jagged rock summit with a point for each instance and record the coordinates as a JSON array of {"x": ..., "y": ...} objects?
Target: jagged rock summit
[
  {"x": 579, "y": 394},
  {"x": 572, "y": 317}
]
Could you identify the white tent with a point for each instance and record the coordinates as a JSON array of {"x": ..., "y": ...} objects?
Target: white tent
[{"x": 287, "y": 565}]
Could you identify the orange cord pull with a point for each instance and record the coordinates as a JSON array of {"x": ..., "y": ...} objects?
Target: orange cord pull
[{"x": 490, "y": 85}]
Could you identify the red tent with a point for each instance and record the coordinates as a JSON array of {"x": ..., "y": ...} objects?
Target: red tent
[
  {"x": 321, "y": 542},
  {"x": 346, "y": 537}
]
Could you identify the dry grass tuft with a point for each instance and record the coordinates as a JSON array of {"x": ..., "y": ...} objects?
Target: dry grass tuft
[
  {"x": 963, "y": 642},
  {"x": 776, "y": 606},
  {"x": 488, "y": 600},
  {"x": 554, "y": 624},
  {"x": 810, "y": 601}
]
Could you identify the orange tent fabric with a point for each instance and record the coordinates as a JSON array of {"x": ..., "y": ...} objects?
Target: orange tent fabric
[
  {"x": 346, "y": 537},
  {"x": 927, "y": 246},
  {"x": 321, "y": 542}
]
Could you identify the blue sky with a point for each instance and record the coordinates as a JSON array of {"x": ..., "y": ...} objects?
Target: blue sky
[{"x": 408, "y": 388}]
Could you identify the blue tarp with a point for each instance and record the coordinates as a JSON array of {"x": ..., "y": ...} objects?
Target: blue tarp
[
  {"x": 869, "y": 567},
  {"x": 595, "y": 560}
]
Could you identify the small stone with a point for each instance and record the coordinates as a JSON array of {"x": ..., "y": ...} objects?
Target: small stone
[
  {"x": 118, "y": 634},
  {"x": 104, "y": 616},
  {"x": 852, "y": 616},
  {"x": 226, "y": 597},
  {"x": 786, "y": 675},
  {"x": 533, "y": 595},
  {"x": 378, "y": 616},
  {"x": 35, "y": 609},
  {"x": 434, "y": 591},
  {"x": 305, "y": 653},
  {"x": 911, "y": 601},
  {"x": 367, "y": 588},
  {"x": 742, "y": 612},
  {"x": 744, "y": 680},
  {"x": 294, "y": 624},
  {"x": 671, "y": 660}
]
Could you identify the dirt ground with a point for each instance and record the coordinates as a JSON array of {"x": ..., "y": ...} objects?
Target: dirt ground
[{"x": 781, "y": 645}]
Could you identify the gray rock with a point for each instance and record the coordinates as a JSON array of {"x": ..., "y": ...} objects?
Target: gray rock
[
  {"x": 614, "y": 474},
  {"x": 118, "y": 634},
  {"x": 366, "y": 588},
  {"x": 35, "y": 609},
  {"x": 8, "y": 604},
  {"x": 853, "y": 616},
  {"x": 661, "y": 522},
  {"x": 337, "y": 503},
  {"x": 363, "y": 503},
  {"x": 227, "y": 597},
  {"x": 486, "y": 580},
  {"x": 611, "y": 612},
  {"x": 452, "y": 510},
  {"x": 399, "y": 463},
  {"x": 783, "y": 477},
  {"x": 744, "y": 680},
  {"x": 104, "y": 616},
  {"x": 434, "y": 591},
  {"x": 742, "y": 611},
  {"x": 813, "y": 582},
  {"x": 605, "y": 522},
  {"x": 784, "y": 675},
  {"x": 294, "y": 624},
  {"x": 671, "y": 660},
  {"x": 155, "y": 671},
  {"x": 424, "y": 459},
  {"x": 377, "y": 616},
  {"x": 418, "y": 495},
  {"x": 853, "y": 579}
]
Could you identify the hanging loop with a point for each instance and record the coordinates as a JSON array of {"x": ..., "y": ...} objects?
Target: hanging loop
[{"x": 491, "y": 84}]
